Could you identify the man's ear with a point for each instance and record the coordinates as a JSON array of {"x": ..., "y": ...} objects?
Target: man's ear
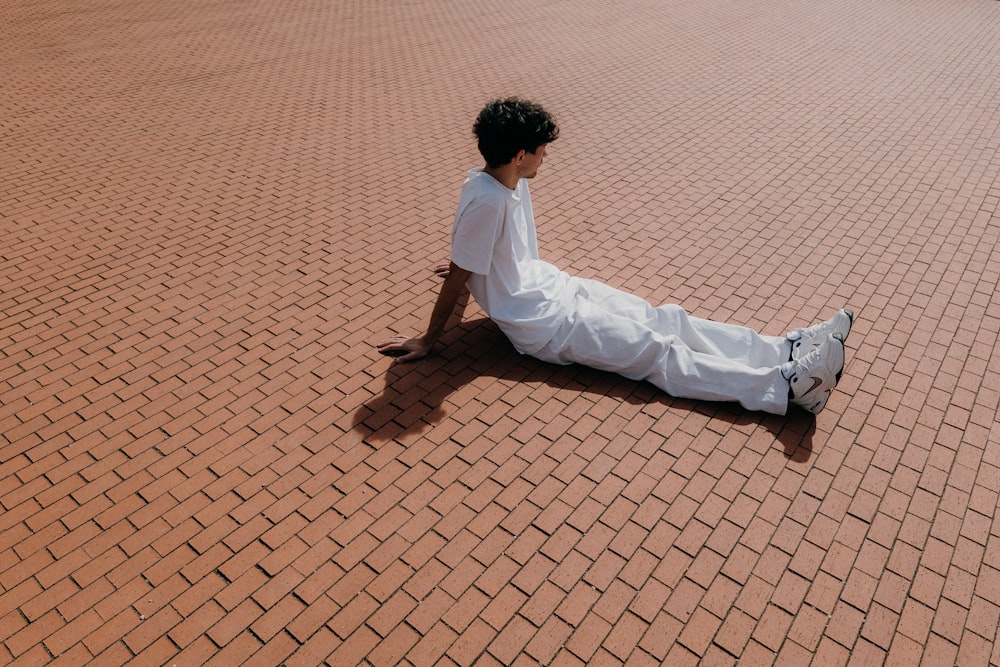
[{"x": 520, "y": 156}]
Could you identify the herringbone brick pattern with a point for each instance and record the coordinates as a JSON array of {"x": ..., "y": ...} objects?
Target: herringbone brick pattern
[{"x": 211, "y": 211}]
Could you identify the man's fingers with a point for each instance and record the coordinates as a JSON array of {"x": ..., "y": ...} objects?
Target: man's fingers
[
  {"x": 401, "y": 348},
  {"x": 395, "y": 340},
  {"x": 392, "y": 346}
]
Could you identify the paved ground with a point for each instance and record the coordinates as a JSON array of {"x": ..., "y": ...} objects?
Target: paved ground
[{"x": 212, "y": 210}]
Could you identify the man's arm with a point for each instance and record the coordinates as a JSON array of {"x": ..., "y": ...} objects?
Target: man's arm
[{"x": 409, "y": 349}]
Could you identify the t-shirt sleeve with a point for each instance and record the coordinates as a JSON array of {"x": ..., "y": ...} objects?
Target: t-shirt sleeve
[{"x": 477, "y": 228}]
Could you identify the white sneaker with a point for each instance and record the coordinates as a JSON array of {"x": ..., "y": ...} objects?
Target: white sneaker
[
  {"x": 811, "y": 378},
  {"x": 808, "y": 339}
]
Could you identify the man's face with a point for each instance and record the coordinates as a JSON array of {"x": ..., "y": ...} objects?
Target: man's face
[{"x": 530, "y": 162}]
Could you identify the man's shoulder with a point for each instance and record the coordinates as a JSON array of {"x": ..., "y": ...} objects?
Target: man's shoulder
[{"x": 483, "y": 188}]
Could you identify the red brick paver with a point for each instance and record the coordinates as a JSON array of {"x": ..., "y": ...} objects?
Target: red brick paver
[{"x": 211, "y": 211}]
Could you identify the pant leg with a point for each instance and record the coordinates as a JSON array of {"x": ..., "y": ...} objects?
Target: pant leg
[
  {"x": 730, "y": 341},
  {"x": 621, "y": 340}
]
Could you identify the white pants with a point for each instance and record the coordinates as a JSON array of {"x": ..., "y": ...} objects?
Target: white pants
[{"x": 685, "y": 356}]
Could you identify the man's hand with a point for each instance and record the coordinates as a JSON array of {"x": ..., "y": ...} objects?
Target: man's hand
[
  {"x": 452, "y": 289},
  {"x": 404, "y": 349}
]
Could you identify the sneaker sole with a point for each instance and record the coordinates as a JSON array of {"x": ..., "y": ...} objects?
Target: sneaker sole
[{"x": 843, "y": 353}]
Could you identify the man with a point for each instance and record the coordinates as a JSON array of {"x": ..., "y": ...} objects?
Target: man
[{"x": 563, "y": 319}]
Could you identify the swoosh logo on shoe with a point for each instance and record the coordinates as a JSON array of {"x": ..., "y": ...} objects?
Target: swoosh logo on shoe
[{"x": 816, "y": 382}]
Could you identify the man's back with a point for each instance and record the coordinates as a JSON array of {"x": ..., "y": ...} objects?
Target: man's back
[{"x": 494, "y": 238}]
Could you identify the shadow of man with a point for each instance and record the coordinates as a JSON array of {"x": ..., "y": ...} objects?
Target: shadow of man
[{"x": 414, "y": 395}]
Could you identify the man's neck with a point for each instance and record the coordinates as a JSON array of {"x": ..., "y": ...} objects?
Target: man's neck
[{"x": 506, "y": 174}]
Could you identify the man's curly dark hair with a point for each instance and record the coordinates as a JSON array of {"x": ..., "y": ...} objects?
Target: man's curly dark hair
[{"x": 505, "y": 127}]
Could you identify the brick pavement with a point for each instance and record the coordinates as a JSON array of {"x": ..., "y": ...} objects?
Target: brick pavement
[{"x": 210, "y": 212}]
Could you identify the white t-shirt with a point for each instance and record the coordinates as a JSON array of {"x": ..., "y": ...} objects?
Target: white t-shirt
[{"x": 494, "y": 238}]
